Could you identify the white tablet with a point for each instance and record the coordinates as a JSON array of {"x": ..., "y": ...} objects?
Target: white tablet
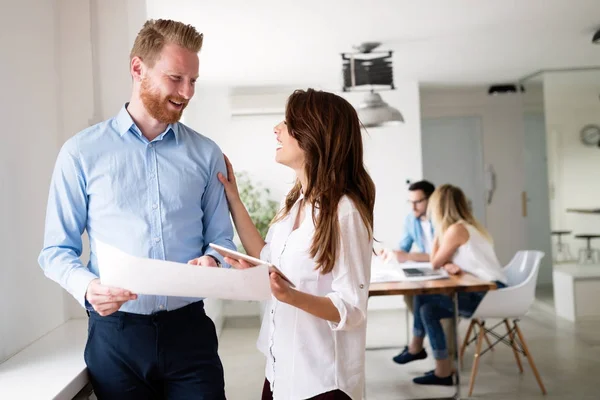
[{"x": 236, "y": 255}]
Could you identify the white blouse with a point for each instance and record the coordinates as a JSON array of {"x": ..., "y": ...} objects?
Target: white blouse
[
  {"x": 307, "y": 355},
  {"x": 477, "y": 256}
]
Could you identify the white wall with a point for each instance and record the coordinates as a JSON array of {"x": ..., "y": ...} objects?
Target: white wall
[
  {"x": 50, "y": 85},
  {"x": 503, "y": 146},
  {"x": 115, "y": 26},
  {"x": 76, "y": 86},
  {"x": 392, "y": 154},
  {"x": 571, "y": 101},
  {"x": 32, "y": 305}
]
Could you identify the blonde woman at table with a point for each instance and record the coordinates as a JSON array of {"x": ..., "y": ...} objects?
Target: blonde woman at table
[
  {"x": 314, "y": 335},
  {"x": 460, "y": 244}
]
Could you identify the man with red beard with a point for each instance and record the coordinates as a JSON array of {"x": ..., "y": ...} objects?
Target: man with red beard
[{"x": 147, "y": 184}]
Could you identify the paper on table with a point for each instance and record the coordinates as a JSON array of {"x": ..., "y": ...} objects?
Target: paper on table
[
  {"x": 413, "y": 264},
  {"x": 167, "y": 278},
  {"x": 391, "y": 271},
  {"x": 386, "y": 275}
]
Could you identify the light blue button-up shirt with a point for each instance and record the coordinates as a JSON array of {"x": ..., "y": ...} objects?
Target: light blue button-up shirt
[
  {"x": 158, "y": 199},
  {"x": 413, "y": 234}
]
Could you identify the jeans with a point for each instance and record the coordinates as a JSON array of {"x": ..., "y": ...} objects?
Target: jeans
[{"x": 429, "y": 309}]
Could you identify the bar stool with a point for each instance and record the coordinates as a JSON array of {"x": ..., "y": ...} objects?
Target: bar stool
[
  {"x": 588, "y": 255},
  {"x": 562, "y": 253}
]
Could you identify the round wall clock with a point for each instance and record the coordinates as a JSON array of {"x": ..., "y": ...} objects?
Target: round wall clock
[{"x": 590, "y": 135}]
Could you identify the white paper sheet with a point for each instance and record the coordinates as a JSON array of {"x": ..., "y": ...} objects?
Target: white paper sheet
[
  {"x": 379, "y": 275},
  {"x": 167, "y": 278},
  {"x": 391, "y": 271}
]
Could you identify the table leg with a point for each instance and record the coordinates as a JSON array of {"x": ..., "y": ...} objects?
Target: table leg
[
  {"x": 456, "y": 364},
  {"x": 407, "y": 320}
]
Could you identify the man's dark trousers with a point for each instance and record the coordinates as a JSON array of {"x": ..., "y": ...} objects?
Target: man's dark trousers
[{"x": 168, "y": 355}]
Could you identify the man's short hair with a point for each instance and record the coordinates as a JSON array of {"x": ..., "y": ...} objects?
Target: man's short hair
[
  {"x": 155, "y": 34},
  {"x": 425, "y": 186}
]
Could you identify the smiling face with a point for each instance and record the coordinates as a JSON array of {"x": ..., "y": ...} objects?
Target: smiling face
[
  {"x": 168, "y": 86},
  {"x": 288, "y": 150}
]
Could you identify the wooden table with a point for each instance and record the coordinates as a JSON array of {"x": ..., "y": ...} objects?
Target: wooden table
[{"x": 451, "y": 287}]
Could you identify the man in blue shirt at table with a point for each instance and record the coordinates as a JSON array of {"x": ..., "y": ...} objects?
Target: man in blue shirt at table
[
  {"x": 147, "y": 184},
  {"x": 418, "y": 231}
]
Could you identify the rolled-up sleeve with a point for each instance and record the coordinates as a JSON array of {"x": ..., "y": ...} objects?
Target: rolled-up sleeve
[
  {"x": 352, "y": 273},
  {"x": 66, "y": 218}
]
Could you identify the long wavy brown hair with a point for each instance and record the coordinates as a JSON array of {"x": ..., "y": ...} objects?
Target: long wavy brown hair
[{"x": 328, "y": 130}]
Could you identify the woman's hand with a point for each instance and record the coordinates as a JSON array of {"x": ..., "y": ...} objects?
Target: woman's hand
[
  {"x": 385, "y": 254},
  {"x": 229, "y": 182},
  {"x": 251, "y": 239},
  {"x": 280, "y": 288},
  {"x": 452, "y": 269}
]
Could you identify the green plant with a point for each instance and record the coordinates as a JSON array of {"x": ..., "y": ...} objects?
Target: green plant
[{"x": 257, "y": 200}]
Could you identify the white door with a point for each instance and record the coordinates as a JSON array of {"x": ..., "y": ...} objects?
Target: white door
[
  {"x": 453, "y": 153},
  {"x": 538, "y": 199}
]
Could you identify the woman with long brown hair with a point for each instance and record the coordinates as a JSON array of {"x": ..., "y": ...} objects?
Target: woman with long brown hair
[
  {"x": 314, "y": 335},
  {"x": 461, "y": 243}
]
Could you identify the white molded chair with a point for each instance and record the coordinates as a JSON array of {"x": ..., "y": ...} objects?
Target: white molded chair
[{"x": 507, "y": 304}]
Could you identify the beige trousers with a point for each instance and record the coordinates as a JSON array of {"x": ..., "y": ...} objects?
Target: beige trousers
[{"x": 447, "y": 325}]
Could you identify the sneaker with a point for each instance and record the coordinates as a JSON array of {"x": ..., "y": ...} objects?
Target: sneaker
[
  {"x": 406, "y": 357},
  {"x": 433, "y": 372},
  {"x": 433, "y": 379}
]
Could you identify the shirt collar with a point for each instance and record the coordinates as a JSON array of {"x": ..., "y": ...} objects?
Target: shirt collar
[{"x": 125, "y": 123}]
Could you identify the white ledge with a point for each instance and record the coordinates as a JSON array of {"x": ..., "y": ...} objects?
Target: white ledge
[
  {"x": 50, "y": 368},
  {"x": 578, "y": 271}
]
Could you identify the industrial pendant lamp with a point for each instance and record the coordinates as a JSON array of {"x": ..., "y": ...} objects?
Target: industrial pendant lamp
[
  {"x": 373, "y": 111},
  {"x": 373, "y": 70}
]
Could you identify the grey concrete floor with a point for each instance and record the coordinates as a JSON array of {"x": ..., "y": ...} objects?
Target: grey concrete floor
[{"x": 567, "y": 356}]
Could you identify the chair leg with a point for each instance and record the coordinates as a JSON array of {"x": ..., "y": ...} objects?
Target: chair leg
[
  {"x": 487, "y": 340},
  {"x": 530, "y": 358},
  {"x": 511, "y": 334},
  {"x": 476, "y": 357},
  {"x": 466, "y": 341}
]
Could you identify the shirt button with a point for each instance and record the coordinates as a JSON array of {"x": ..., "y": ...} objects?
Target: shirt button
[
  {"x": 271, "y": 311},
  {"x": 150, "y": 145},
  {"x": 154, "y": 206},
  {"x": 161, "y": 307},
  {"x": 151, "y": 176},
  {"x": 156, "y": 239},
  {"x": 362, "y": 286}
]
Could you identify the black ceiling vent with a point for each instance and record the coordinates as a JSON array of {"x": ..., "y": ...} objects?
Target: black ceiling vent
[
  {"x": 368, "y": 69},
  {"x": 502, "y": 89}
]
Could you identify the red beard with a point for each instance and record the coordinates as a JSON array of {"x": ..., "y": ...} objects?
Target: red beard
[{"x": 159, "y": 108}]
